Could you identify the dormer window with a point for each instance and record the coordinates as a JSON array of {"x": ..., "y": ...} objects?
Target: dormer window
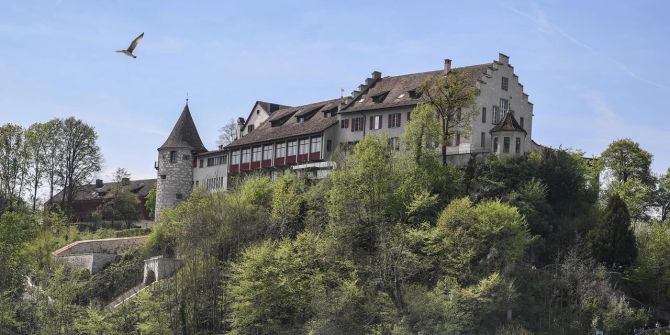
[
  {"x": 379, "y": 97},
  {"x": 413, "y": 94}
]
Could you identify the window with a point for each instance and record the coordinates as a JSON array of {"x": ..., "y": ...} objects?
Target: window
[
  {"x": 482, "y": 141},
  {"x": 250, "y": 128},
  {"x": 303, "y": 146},
  {"x": 483, "y": 114},
  {"x": 506, "y": 145},
  {"x": 179, "y": 196},
  {"x": 236, "y": 157},
  {"x": 218, "y": 160},
  {"x": 316, "y": 144},
  {"x": 197, "y": 183},
  {"x": 495, "y": 144},
  {"x": 521, "y": 122},
  {"x": 394, "y": 143},
  {"x": 246, "y": 155},
  {"x": 357, "y": 123},
  {"x": 517, "y": 148},
  {"x": 496, "y": 114},
  {"x": 201, "y": 163},
  {"x": 344, "y": 123},
  {"x": 256, "y": 154},
  {"x": 413, "y": 94},
  {"x": 504, "y": 84},
  {"x": 458, "y": 138},
  {"x": 186, "y": 157},
  {"x": 163, "y": 176},
  {"x": 280, "y": 150},
  {"x": 379, "y": 97},
  {"x": 329, "y": 145},
  {"x": 258, "y": 111},
  {"x": 394, "y": 120},
  {"x": 292, "y": 148},
  {"x": 173, "y": 156},
  {"x": 504, "y": 106},
  {"x": 267, "y": 152},
  {"x": 375, "y": 122}
]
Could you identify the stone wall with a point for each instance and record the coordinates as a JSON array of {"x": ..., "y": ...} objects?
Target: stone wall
[
  {"x": 175, "y": 179},
  {"x": 102, "y": 246}
]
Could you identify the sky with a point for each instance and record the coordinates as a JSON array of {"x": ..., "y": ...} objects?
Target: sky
[{"x": 595, "y": 71}]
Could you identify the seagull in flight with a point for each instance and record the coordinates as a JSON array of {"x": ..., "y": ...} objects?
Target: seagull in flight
[{"x": 129, "y": 52}]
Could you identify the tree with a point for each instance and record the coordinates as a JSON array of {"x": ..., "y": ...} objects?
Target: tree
[
  {"x": 613, "y": 239},
  {"x": 288, "y": 204},
  {"x": 625, "y": 159},
  {"x": 663, "y": 195},
  {"x": 453, "y": 97},
  {"x": 150, "y": 202},
  {"x": 54, "y": 152},
  {"x": 14, "y": 163},
  {"x": 81, "y": 160},
  {"x": 37, "y": 140},
  {"x": 228, "y": 133}
]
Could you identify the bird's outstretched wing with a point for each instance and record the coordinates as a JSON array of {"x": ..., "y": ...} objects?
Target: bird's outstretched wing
[{"x": 134, "y": 43}]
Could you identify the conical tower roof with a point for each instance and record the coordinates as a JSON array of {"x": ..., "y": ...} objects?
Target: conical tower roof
[{"x": 184, "y": 134}]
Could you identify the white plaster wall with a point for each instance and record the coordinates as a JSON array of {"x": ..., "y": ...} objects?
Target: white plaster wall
[
  {"x": 258, "y": 116},
  {"x": 201, "y": 175},
  {"x": 490, "y": 94}
]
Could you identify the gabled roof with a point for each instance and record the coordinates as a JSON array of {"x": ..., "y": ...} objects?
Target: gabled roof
[
  {"x": 90, "y": 192},
  {"x": 269, "y": 107},
  {"x": 508, "y": 124},
  {"x": 397, "y": 88},
  {"x": 184, "y": 134},
  {"x": 291, "y": 128}
]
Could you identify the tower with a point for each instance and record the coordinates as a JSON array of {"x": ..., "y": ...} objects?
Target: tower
[{"x": 176, "y": 158}]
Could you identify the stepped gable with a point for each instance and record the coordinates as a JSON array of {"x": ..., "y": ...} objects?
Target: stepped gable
[
  {"x": 508, "y": 124},
  {"x": 292, "y": 122},
  {"x": 184, "y": 134},
  {"x": 394, "y": 91}
]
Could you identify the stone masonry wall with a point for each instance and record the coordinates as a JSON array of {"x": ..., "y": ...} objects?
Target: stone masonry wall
[{"x": 175, "y": 179}]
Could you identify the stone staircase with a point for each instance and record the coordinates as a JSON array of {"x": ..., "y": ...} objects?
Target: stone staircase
[{"x": 126, "y": 295}]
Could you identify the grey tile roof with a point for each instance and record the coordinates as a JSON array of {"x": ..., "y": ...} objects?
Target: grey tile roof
[
  {"x": 184, "y": 134},
  {"x": 283, "y": 122},
  {"x": 397, "y": 89},
  {"x": 89, "y": 192},
  {"x": 508, "y": 124},
  {"x": 291, "y": 127}
]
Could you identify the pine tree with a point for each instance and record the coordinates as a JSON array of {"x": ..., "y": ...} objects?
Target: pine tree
[{"x": 613, "y": 239}]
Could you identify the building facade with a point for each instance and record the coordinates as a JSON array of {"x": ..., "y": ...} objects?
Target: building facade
[{"x": 274, "y": 137}]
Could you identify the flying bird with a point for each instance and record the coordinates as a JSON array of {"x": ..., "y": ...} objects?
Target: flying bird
[{"x": 133, "y": 44}]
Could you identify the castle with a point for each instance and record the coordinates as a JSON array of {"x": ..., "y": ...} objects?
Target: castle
[{"x": 274, "y": 137}]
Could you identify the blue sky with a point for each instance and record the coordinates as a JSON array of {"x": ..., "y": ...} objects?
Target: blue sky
[{"x": 595, "y": 70}]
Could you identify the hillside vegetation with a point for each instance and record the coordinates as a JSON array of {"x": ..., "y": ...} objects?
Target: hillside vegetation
[{"x": 393, "y": 242}]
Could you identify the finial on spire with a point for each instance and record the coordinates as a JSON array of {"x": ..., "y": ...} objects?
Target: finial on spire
[{"x": 187, "y": 98}]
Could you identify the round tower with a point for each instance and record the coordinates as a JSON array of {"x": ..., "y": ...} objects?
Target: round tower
[{"x": 176, "y": 159}]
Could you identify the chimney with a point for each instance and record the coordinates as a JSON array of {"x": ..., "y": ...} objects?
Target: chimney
[
  {"x": 502, "y": 58},
  {"x": 447, "y": 65},
  {"x": 98, "y": 183},
  {"x": 125, "y": 181},
  {"x": 376, "y": 75}
]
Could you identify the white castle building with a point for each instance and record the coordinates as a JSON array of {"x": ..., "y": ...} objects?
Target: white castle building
[{"x": 276, "y": 137}]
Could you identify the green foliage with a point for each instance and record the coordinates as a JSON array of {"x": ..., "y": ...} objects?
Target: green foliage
[
  {"x": 150, "y": 203},
  {"x": 257, "y": 191},
  {"x": 626, "y": 160},
  {"x": 650, "y": 277},
  {"x": 613, "y": 239},
  {"x": 471, "y": 241},
  {"x": 16, "y": 229},
  {"x": 288, "y": 204}
]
